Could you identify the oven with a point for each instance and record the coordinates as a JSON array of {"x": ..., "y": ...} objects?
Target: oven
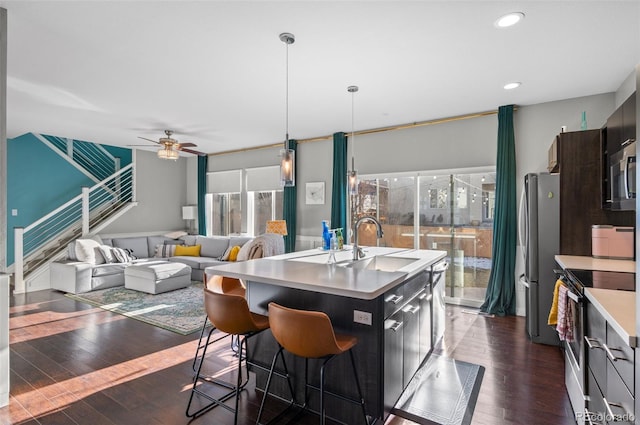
[
  {"x": 574, "y": 354},
  {"x": 574, "y": 350}
]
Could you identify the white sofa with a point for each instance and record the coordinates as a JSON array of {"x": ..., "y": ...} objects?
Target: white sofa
[{"x": 75, "y": 276}]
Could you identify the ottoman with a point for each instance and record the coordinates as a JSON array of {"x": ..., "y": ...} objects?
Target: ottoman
[{"x": 156, "y": 277}]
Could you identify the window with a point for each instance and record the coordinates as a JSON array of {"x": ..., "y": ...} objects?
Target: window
[
  {"x": 452, "y": 212},
  {"x": 225, "y": 213},
  {"x": 267, "y": 205},
  {"x": 242, "y": 201}
]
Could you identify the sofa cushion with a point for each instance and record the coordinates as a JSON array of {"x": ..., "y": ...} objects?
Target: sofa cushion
[
  {"x": 154, "y": 241},
  {"x": 239, "y": 240},
  {"x": 187, "y": 251},
  {"x": 193, "y": 262},
  {"x": 137, "y": 245},
  {"x": 107, "y": 269},
  {"x": 212, "y": 246},
  {"x": 190, "y": 239}
]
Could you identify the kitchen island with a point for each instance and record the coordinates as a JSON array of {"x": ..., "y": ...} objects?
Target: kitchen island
[{"x": 384, "y": 299}]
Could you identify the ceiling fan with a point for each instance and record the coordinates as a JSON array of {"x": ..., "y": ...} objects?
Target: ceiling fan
[{"x": 171, "y": 147}]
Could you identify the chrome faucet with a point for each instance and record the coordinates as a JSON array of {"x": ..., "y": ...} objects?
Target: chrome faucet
[{"x": 357, "y": 251}]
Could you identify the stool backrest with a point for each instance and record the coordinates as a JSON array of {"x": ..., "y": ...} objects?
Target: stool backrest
[
  {"x": 303, "y": 333},
  {"x": 229, "y": 313},
  {"x": 225, "y": 285}
]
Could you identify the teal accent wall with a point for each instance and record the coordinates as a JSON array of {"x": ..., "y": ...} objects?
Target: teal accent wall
[{"x": 39, "y": 180}]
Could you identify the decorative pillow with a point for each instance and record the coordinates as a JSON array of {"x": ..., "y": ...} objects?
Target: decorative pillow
[
  {"x": 165, "y": 250},
  {"x": 105, "y": 251},
  {"x": 85, "y": 250},
  {"x": 187, "y": 251},
  {"x": 122, "y": 255},
  {"x": 233, "y": 255},
  {"x": 225, "y": 256}
]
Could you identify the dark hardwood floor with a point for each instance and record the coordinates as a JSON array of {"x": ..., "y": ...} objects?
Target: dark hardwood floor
[{"x": 72, "y": 363}]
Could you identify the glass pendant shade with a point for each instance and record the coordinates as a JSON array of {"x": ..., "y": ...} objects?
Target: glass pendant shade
[
  {"x": 352, "y": 181},
  {"x": 287, "y": 156},
  {"x": 287, "y": 167}
]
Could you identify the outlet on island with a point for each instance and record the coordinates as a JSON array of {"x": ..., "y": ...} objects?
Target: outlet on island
[{"x": 362, "y": 317}]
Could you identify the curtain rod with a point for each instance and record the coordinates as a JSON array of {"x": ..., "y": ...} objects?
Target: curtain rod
[{"x": 374, "y": 130}]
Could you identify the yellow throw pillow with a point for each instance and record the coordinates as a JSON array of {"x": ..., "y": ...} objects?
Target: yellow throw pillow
[
  {"x": 233, "y": 255},
  {"x": 187, "y": 251}
]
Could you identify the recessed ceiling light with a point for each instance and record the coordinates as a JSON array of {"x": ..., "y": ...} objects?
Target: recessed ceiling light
[
  {"x": 509, "y": 19},
  {"x": 511, "y": 86}
]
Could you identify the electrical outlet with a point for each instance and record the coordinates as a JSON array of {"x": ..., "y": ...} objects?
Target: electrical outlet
[
  {"x": 14, "y": 212},
  {"x": 362, "y": 317}
]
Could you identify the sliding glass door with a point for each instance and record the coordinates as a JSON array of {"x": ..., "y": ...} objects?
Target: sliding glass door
[{"x": 451, "y": 212}]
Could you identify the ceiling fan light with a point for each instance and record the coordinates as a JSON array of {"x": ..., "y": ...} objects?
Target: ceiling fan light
[{"x": 168, "y": 154}]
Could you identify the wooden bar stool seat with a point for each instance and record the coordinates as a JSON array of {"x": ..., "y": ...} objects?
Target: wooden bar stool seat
[
  {"x": 310, "y": 335},
  {"x": 229, "y": 314}
]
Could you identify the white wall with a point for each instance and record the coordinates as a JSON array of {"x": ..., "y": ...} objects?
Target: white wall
[{"x": 160, "y": 192}]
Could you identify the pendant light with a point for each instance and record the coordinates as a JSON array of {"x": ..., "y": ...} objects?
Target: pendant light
[
  {"x": 287, "y": 156},
  {"x": 352, "y": 176}
]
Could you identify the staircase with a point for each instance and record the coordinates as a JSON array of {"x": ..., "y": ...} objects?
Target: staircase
[{"x": 46, "y": 239}]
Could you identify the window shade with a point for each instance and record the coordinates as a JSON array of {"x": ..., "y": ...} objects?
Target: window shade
[
  {"x": 224, "y": 181},
  {"x": 263, "y": 179}
]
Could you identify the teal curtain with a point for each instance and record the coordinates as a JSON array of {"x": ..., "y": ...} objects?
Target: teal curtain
[
  {"x": 339, "y": 186},
  {"x": 202, "y": 190},
  {"x": 500, "y": 296},
  {"x": 289, "y": 207}
]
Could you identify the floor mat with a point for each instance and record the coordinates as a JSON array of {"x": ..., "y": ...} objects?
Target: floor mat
[{"x": 443, "y": 391}]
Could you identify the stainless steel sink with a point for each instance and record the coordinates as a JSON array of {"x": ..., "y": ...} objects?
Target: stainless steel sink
[{"x": 379, "y": 262}]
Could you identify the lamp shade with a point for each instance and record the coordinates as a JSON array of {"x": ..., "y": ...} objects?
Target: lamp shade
[
  {"x": 277, "y": 226},
  {"x": 189, "y": 212}
]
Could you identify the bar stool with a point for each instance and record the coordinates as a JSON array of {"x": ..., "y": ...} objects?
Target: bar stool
[
  {"x": 230, "y": 314},
  {"x": 310, "y": 335},
  {"x": 221, "y": 285}
]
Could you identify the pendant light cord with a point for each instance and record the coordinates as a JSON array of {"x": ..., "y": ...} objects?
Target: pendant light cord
[{"x": 286, "y": 140}]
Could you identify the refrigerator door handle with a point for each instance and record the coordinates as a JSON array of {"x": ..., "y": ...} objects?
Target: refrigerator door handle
[{"x": 521, "y": 223}]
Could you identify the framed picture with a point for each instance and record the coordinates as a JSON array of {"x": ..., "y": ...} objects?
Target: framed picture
[{"x": 315, "y": 193}]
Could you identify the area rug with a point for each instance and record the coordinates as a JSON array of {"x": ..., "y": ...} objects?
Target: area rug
[
  {"x": 443, "y": 391},
  {"x": 180, "y": 311}
]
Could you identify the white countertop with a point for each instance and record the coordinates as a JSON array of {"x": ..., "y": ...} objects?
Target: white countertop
[
  {"x": 308, "y": 270},
  {"x": 618, "y": 308},
  {"x": 590, "y": 263}
]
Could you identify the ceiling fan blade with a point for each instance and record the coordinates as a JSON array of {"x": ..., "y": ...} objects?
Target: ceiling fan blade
[
  {"x": 194, "y": 152},
  {"x": 188, "y": 145},
  {"x": 150, "y": 140}
]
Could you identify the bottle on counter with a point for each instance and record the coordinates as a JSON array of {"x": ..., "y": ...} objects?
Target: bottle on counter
[
  {"x": 326, "y": 235},
  {"x": 340, "y": 238}
]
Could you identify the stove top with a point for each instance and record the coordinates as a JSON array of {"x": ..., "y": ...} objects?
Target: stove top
[{"x": 600, "y": 279}]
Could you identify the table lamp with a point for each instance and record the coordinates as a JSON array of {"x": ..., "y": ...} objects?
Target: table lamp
[{"x": 277, "y": 226}]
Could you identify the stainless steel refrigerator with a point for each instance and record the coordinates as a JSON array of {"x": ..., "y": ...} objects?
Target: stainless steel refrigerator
[{"x": 539, "y": 234}]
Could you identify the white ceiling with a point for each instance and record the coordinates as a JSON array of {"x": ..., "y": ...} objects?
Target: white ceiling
[{"x": 214, "y": 71}]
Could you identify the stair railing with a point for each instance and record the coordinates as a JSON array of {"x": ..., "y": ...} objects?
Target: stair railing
[
  {"x": 90, "y": 158},
  {"x": 74, "y": 218}
]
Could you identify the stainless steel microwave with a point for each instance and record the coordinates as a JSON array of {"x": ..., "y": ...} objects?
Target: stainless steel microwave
[{"x": 622, "y": 176}]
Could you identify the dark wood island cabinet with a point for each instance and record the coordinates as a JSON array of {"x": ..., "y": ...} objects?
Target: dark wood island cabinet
[{"x": 390, "y": 312}]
